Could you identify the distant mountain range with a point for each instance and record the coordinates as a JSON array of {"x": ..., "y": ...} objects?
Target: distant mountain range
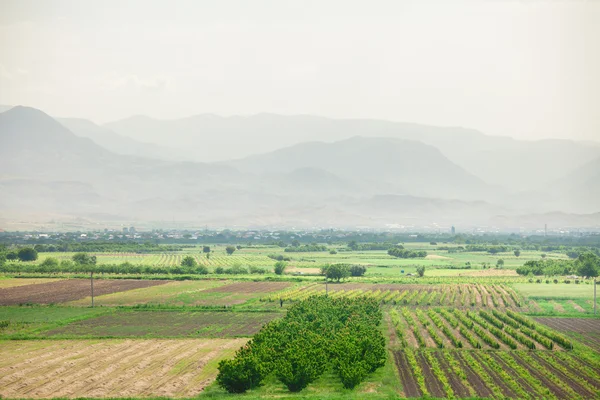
[{"x": 391, "y": 175}]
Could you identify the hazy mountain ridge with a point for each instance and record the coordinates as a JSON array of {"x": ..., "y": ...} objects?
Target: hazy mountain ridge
[
  {"x": 48, "y": 170},
  {"x": 525, "y": 164}
]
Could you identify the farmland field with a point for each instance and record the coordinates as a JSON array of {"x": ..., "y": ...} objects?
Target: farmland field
[
  {"x": 66, "y": 290},
  {"x": 460, "y": 331},
  {"x": 110, "y": 368},
  {"x": 586, "y": 330},
  {"x": 166, "y": 324}
]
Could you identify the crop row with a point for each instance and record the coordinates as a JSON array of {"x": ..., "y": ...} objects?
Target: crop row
[
  {"x": 441, "y": 328},
  {"x": 496, "y": 374},
  {"x": 444, "y": 295}
]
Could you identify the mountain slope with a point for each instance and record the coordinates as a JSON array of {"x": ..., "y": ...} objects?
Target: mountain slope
[
  {"x": 514, "y": 164},
  {"x": 382, "y": 165},
  {"x": 119, "y": 144}
]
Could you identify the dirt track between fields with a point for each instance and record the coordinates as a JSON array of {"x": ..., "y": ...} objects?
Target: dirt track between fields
[{"x": 68, "y": 290}]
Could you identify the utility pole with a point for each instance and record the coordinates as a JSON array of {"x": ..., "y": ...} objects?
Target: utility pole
[{"x": 92, "y": 283}]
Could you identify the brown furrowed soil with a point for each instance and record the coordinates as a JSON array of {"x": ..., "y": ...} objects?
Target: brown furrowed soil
[
  {"x": 250, "y": 287},
  {"x": 68, "y": 290},
  {"x": 586, "y": 330},
  {"x": 459, "y": 389},
  {"x": 167, "y": 324},
  {"x": 434, "y": 386},
  {"x": 110, "y": 368},
  {"x": 409, "y": 383}
]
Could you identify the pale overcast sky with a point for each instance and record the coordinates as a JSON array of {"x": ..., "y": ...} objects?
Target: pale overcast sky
[{"x": 527, "y": 69}]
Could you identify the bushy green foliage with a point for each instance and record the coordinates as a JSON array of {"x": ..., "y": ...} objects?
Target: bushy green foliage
[
  {"x": 546, "y": 267},
  {"x": 230, "y": 249},
  {"x": 188, "y": 261},
  {"x": 306, "y": 248},
  {"x": 358, "y": 270},
  {"x": 588, "y": 265},
  {"x": 27, "y": 254},
  {"x": 314, "y": 334},
  {"x": 336, "y": 272},
  {"x": 279, "y": 267},
  {"x": 402, "y": 253}
]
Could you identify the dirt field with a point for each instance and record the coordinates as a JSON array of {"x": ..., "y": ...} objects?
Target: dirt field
[
  {"x": 250, "y": 287},
  {"x": 587, "y": 330},
  {"x": 110, "y": 368},
  {"x": 167, "y": 324},
  {"x": 67, "y": 290}
]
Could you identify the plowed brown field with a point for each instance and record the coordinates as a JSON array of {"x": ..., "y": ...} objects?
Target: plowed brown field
[
  {"x": 113, "y": 368},
  {"x": 67, "y": 290}
]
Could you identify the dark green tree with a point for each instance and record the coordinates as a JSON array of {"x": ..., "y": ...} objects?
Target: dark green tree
[
  {"x": 280, "y": 267},
  {"x": 588, "y": 265},
  {"x": 27, "y": 254},
  {"x": 188, "y": 261}
]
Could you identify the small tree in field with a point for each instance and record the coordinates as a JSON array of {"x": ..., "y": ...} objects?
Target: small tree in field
[
  {"x": 206, "y": 249},
  {"x": 84, "y": 259},
  {"x": 27, "y": 254},
  {"x": 358, "y": 270},
  {"x": 500, "y": 263},
  {"x": 280, "y": 267},
  {"x": 188, "y": 261},
  {"x": 230, "y": 250},
  {"x": 421, "y": 270},
  {"x": 517, "y": 253},
  {"x": 337, "y": 272}
]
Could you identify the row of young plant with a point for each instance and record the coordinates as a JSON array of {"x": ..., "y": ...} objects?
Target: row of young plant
[
  {"x": 459, "y": 295},
  {"x": 316, "y": 334},
  {"x": 513, "y": 369},
  {"x": 457, "y": 327}
]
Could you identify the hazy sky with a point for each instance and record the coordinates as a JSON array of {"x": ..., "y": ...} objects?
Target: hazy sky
[{"x": 528, "y": 69}]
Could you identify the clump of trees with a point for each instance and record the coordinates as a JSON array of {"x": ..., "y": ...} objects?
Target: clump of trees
[
  {"x": 316, "y": 334},
  {"x": 279, "y": 257},
  {"x": 354, "y": 246},
  {"x": 547, "y": 267},
  {"x": 305, "y": 248},
  {"x": 400, "y": 252},
  {"x": 336, "y": 272}
]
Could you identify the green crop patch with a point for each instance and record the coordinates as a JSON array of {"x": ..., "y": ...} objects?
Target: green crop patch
[{"x": 149, "y": 324}]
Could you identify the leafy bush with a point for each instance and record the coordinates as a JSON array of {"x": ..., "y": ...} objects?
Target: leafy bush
[
  {"x": 279, "y": 267},
  {"x": 358, "y": 270}
]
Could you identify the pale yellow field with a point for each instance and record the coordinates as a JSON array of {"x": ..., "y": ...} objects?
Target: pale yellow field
[
  {"x": 110, "y": 368},
  {"x": 177, "y": 293},
  {"x": 13, "y": 282}
]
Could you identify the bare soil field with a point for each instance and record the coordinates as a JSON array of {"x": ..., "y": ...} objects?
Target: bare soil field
[
  {"x": 167, "y": 324},
  {"x": 110, "y": 368},
  {"x": 250, "y": 287},
  {"x": 67, "y": 290},
  {"x": 586, "y": 330}
]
